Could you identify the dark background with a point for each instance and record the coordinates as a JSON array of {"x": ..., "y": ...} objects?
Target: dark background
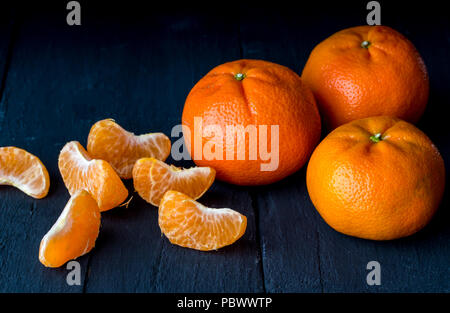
[{"x": 136, "y": 64}]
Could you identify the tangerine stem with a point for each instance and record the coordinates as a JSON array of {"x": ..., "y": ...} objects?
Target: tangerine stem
[
  {"x": 376, "y": 138},
  {"x": 365, "y": 44},
  {"x": 239, "y": 76},
  {"x": 125, "y": 204}
]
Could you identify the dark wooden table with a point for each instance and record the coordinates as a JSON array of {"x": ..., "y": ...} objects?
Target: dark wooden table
[{"x": 137, "y": 65}]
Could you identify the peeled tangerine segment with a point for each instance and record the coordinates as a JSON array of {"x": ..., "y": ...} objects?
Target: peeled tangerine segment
[
  {"x": 80, "y": 171},
  {"x": 187, "y": 223},
  {"x": 23, "y": 170},
  {"x": 152, "y": 178},
  {"x": 74, "y": 233},
  {"x": 110, "y": 142}
]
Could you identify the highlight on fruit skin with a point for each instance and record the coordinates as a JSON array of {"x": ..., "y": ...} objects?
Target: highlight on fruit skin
[
  {"x": 108, "y": 141},
  {"x": 152, "y": 178},
  {"x": 80, "y": 171},
  {"x": 74, "y": 233},
  {"x": 187, "y": 223},
  {"x": 24, "y": 171}
]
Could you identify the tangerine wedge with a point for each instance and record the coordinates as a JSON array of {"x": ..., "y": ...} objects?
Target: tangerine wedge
[
  {"x": 24, "y": 171},
  {"x": 109, "y": 141},
  {"x": 187, "y": 223},
  {"x": 152, "y": 178},
  {"x": 74, "y": 233},
  {"x": 80, "y": 171}
]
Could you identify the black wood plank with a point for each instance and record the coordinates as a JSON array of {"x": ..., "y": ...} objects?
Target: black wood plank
[
  {"x": 300, "y": 252},
  {"x": 137, "y": 69},
  {"x": 26, "y": 122},
  {"x": 8, "y": 23},
  {"x": 231, "y": 269},
  {"x": 175, "y": 52},
  {"x": 137, "y": 66}
]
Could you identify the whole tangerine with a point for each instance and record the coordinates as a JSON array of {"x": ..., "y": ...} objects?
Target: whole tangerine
[
  {"x": 264, "y": 103},
  {"x": 367, "y": 71},
  {"x": 377, "y": 178}
]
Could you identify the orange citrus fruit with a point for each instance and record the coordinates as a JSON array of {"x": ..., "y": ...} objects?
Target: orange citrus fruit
[
  {"x": 24, "y": 171},
  {"x": 74, "y": 233},
  {"x": 80, "y": 171},
  {"x": 110, "y": 142},
  {"x": 367, "y": 71},
  {"x": 247, "y": 108},
  {"x": 377, "y": 178},
  {"x": 187, "y": 223},
  {"x": 152, "y": 178}
]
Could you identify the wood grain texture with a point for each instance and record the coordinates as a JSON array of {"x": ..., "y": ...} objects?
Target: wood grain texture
[
  {"x": 140, "y": 76},
  {"x": 8, "y": 23},
  {"x": 28, "y": 122},
  {"x": 137, "y": 66},
  {"x": 181, "y": 51}
]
